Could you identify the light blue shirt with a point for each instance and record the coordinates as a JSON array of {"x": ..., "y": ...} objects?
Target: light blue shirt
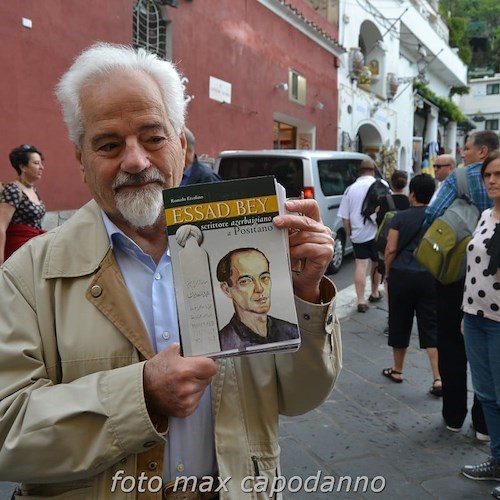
[{"x": 190, "y": 448}]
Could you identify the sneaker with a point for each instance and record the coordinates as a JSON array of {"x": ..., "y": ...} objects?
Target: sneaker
[
  {"x": 454, "y": 429},
  {"x": 495, "y": 493},
  {"x": 487, "y": 471},
  {"x": 386, "y": 331},
  {"x": 484, "y": 438}
]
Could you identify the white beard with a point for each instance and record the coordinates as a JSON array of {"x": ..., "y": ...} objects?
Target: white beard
[{"x": 141, "y": 208}]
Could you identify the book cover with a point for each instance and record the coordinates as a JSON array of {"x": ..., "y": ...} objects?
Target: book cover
[{"x": 231, "y": 268}]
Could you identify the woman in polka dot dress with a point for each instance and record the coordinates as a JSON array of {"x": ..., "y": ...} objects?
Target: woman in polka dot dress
[
  {"x": 21, "y": 209},
  {"x": 481, "y": 305}
]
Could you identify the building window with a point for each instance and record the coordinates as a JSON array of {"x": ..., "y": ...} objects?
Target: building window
[
  {"x": 492, "y": 88},
  {"x": 150, "y": 28},
  {"x": 297, "y": 87},
  {"x": 491, "y": 125}
]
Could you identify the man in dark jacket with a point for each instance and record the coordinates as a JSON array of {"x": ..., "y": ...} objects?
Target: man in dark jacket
[{"x": 195, "y": 172}]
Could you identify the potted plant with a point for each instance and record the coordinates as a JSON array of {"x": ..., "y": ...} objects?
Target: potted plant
[{"x": 365, "y": 78}]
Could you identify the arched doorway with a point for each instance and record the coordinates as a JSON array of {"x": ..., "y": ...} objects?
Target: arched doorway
[{"x": 369, "y": 140}]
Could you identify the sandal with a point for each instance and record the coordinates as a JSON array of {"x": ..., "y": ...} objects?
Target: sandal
[
  {"x": 436, "y": 390},
  {"x": 390, "y": 372},
  {"x": 372, "y": 298}
]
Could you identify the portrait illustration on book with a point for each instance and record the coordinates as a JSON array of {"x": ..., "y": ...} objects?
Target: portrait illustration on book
[{"x": 245, "y": 278}]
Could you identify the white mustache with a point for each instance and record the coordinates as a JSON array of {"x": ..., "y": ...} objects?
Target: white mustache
[{"x": 125, "y": 179}]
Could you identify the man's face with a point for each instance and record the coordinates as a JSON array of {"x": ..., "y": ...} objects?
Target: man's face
[
  {"x": 251, "y": 290},
  {"x": 473, "y": 153},
  {"x": 129, "y": 150},
  {"x": 442, "y": 168}
]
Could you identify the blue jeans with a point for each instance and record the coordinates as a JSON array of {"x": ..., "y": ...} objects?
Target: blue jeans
[{"x": 482, "y": 343}]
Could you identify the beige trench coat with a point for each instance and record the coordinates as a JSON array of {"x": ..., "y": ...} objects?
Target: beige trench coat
[{"x": 72, "y": 351}]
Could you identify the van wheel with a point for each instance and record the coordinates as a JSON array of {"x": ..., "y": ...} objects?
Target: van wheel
[{"x": 338, "y": 254}]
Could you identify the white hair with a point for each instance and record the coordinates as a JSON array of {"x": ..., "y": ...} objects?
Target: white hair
[{"x": 101, "y": 58}]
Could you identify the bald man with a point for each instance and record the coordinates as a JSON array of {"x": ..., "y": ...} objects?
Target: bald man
[{"x": 443, "y": 167}]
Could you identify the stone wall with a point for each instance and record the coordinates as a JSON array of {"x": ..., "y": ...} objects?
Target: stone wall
[{"x": 54, "y": 219}]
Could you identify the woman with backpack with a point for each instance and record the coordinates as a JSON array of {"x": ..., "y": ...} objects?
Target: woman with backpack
[{"x": 411, "y": 287}]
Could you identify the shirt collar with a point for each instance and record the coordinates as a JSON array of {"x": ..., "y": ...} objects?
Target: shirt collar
[{"x": 119, "y": 240}]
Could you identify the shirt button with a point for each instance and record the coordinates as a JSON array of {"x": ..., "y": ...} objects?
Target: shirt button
[
  {"x": 157, "y": 276},
  {"x": 96, "y": 291},
  {"x": 307, "y": 317},
  {"x": 180, "y": 468},
  {"x": 152, "y": 465},
  {"x": 165, "y": 335}
]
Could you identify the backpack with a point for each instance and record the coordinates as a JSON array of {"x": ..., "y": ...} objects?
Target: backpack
[
  {"x": 377, "y": 190},
  {"x": 442, "y": 250},
  {"x": 385, "y": 225}
]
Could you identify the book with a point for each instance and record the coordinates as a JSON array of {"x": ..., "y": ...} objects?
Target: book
[{"x": 231, "y": 268}]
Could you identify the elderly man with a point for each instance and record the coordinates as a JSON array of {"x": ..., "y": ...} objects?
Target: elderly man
[
  {"x": 95, "y": 400},
  {"x": 443, "y": 167}
]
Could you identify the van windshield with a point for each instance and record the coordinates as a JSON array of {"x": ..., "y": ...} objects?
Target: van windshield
[{"x": 288, "y": 171}]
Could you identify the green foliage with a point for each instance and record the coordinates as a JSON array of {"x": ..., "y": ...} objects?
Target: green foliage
[
  {"x": 459, "y": 91},
  {"x": 447, "y": 107},
  {"x": 483, "y": 18}
]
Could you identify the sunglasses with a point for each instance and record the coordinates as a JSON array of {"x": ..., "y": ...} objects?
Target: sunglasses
[
  {"x": 442, "y": 165},
  {"x": 25, "y": 147}
]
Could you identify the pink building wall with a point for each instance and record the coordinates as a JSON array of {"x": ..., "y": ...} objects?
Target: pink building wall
[
  {"x": 247, "y": 45},
  {"x": 238, "y": 41}
]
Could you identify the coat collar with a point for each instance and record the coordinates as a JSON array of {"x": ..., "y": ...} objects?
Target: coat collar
[{"x": 78, "y": 246}]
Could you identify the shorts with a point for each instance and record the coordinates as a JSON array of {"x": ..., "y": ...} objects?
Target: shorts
[
  {"x": 365, "y": 250},
  {"x": 412, "y": 294}
]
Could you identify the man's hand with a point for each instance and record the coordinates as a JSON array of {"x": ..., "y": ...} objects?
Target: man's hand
[
  {"x": 173, "y": 385},
  {"x": 311, "y": 246}
]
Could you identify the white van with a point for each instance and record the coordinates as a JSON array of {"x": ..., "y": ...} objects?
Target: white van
[{"x": 322, "y": 175}]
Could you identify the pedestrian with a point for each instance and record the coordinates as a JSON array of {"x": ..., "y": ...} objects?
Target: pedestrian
[
  {"x": 443, "y": 167},
  {"x": 95, "y": 400},
  {"x": 451, "y": 348},
  {"x": 362, "y": 234},
  {"x": 194, "y": 170},
  {"x": 398, "y": 183},
  {"x": 482, "y": 319},
  {"x": 411, "y": 286},
  {"x": 21, "y": 208}
]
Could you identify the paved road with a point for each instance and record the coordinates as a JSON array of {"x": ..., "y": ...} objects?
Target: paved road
[{"x": 393, "y": 434}]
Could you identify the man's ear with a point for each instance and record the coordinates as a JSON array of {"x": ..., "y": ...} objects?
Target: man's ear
[
  {"x": 183, "y": 140},
  {"x": 78, "y": 156},
  {"x": 483, "y": 152},
  {"x": 226, "y": 289}
]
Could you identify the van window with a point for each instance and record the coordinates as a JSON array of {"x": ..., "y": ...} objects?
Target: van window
[
  {"x": 288, "y": 171},
  {"x": 336, "y": 175}
]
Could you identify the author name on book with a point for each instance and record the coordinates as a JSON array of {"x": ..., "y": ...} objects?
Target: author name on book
[{"x": 221, "y": 210}]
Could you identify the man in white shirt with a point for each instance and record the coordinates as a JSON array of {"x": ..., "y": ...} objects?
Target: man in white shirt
[{"x": 362, "y": 234}]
